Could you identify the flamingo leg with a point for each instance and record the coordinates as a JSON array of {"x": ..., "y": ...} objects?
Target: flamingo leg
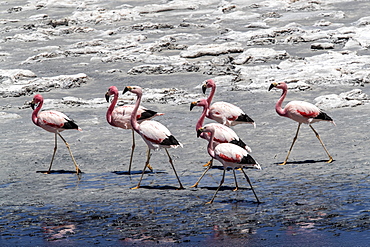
[
  {"x": 236, "y": 182},
  {"x": 323, "y": 145},
  {"x": 52, "y": 158},
  {"x": 249, "y": 181},
  {"x": 210, "y": 164},
  {"x": 70, "y": 153},
  {"x": 173, "y": 167},
  {"x": 132, "y": 151},
  {"x": 291, "y": 147},
  {"x": 142, "y": 174},
  {"x": 222, "y": 181}
]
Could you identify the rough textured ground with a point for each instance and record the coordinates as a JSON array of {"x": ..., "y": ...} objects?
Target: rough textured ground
[{"x": 72, "y": 51}]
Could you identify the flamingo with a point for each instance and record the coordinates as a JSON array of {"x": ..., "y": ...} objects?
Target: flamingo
[
  {"x": 230, "y": 155},
  {"x": 55, "y": 122},
  {"x": 120, "y": 117},
  {"x": 301, "y": 112},
  {"x": 155, "y": 134},
  {"x": 223, "y": 112},
  {"x": 223, "y": 134}
]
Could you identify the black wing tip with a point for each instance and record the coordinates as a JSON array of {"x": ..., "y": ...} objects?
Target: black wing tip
[
  {"x": 147, "y": 114},
  {"x": 248, "y": 160},
  {"x": 239, "y": 142},
  {"x": 70, "y": 124},
  {"x": 323, "y": 116},
  {"x": 245, "y": 118},
  {"x": 170, "y": 140}
]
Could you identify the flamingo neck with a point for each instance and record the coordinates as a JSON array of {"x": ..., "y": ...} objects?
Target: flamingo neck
[
  {"x": 133, "y": 119},
  {"x": 278, "y": 107},
  {"x": 212, "y": 93},
  {"x": 210, "y": 147},
  {"x": 202, "y": 117},
  {"x": 111, "y": 108},
  {"x": 35, "y": 113}
]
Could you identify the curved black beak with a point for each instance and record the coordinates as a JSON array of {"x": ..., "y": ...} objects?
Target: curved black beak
[
  {"x": 204, "y": 88},
  {"x": 126, "y": 90},
  {"x": 107, "y": 96},
  {"x": 199, "y": 131},
  {"x": 192, "y": 104},
  {"x": 272, "y": 86},
  {"x": 32, "y": 105}
]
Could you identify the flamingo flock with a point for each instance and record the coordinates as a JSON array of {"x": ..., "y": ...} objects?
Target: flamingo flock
[{"x": 224, "y": 145}]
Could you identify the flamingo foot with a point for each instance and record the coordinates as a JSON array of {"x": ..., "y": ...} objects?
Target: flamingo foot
[
  {"x": 181, "y": 188},
  {"x": 194, "y": 186},
  {"x": 150, "y": 167},
  {"x": 330, "y": 160},
  {"x": 209, "y": 163},
  {"x": 235, "y": 189},
  {"x": 283, "y": 164},
  {"x": 135, "y": 188},
  {"x": 210, "y": 202}
]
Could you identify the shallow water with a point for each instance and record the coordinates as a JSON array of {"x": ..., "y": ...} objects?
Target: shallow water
[{"x": 305, "y": 203}]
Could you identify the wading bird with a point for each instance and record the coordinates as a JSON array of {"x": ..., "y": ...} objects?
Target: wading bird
[
  {"x": 223, "y": 134},
  {"x": 230, "y": 155},
  {"x": 223, "y": 112},
  {"x": 155, "y": 134},
  {"x": 120, "y": 117},
  {"x": 301, "y": 112},
  {"x": 55, "y": 122}
]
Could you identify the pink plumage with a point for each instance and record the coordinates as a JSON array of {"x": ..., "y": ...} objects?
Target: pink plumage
[
  {"x": 55, "y": 122},
  {"x": 223, "y": 112},
  {"x": 230, "y": 155},
  {"x": 155, "y": 134},
  {"x": 301, "y": 112}
]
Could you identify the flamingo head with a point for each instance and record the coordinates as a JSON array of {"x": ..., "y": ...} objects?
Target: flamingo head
[
  {"x": 209, "y": 83},
  {"x": 36, "y": 100},
  {"x": 111, "y": 91},
  {"x": 201, "y": 102},
  {"x": 280, "y": 85},
  {"x": 208, "y": 128},
  {"x": 133, "y": 89}
]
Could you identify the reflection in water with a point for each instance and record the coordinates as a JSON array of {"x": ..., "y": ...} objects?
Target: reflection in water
[{"x": 57, "y": 232}]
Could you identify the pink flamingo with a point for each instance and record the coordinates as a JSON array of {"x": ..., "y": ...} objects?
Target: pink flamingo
[
  {"x": 223, "y": 134},
  {"x": 301, "y": 112},
  {"x": 230, "y": 155},
  {"x": 120, "y": 117},
  {"x": 55, "y": 122},
  {"x": 223, "y": 112},
  {"x": 155, "y": 134}
]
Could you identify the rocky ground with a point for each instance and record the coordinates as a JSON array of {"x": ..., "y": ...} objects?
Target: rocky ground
[{"x": 72, "y": 51}]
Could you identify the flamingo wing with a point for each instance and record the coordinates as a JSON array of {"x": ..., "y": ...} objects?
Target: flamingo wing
[
  {"x": 303, "y": 109},
  {"x": 54, "y": 121},
  {"x": 223, "y": 112},
  {"x": 156, "y": 133}
]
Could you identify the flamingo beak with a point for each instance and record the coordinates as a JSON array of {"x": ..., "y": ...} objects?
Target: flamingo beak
[
  {"x": 199, "y": 131},
  {"x": 204, "y": 88},
  {"x": 272, "y": 85},
  {"x": 192, "y": 104},
  {"x": 128, "y": 88},
  {"x": 107, "y": 96},
  {"x": 33, "y": 105}
]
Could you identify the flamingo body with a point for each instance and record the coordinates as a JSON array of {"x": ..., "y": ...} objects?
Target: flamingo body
[
  {"x": 121, "y": 116},
  {"x": 224, "y": 112},
  {"x": 54, "y": 122},
  {"x": 230, "y": 155},
  {"x": 155, "y": 134},
  {"x": 301, "y": 112}
]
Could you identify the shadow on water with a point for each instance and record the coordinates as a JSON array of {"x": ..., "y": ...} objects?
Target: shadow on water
[
  {"x": 58, "y": 172},
  {"x": 304, "y": 162}
]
